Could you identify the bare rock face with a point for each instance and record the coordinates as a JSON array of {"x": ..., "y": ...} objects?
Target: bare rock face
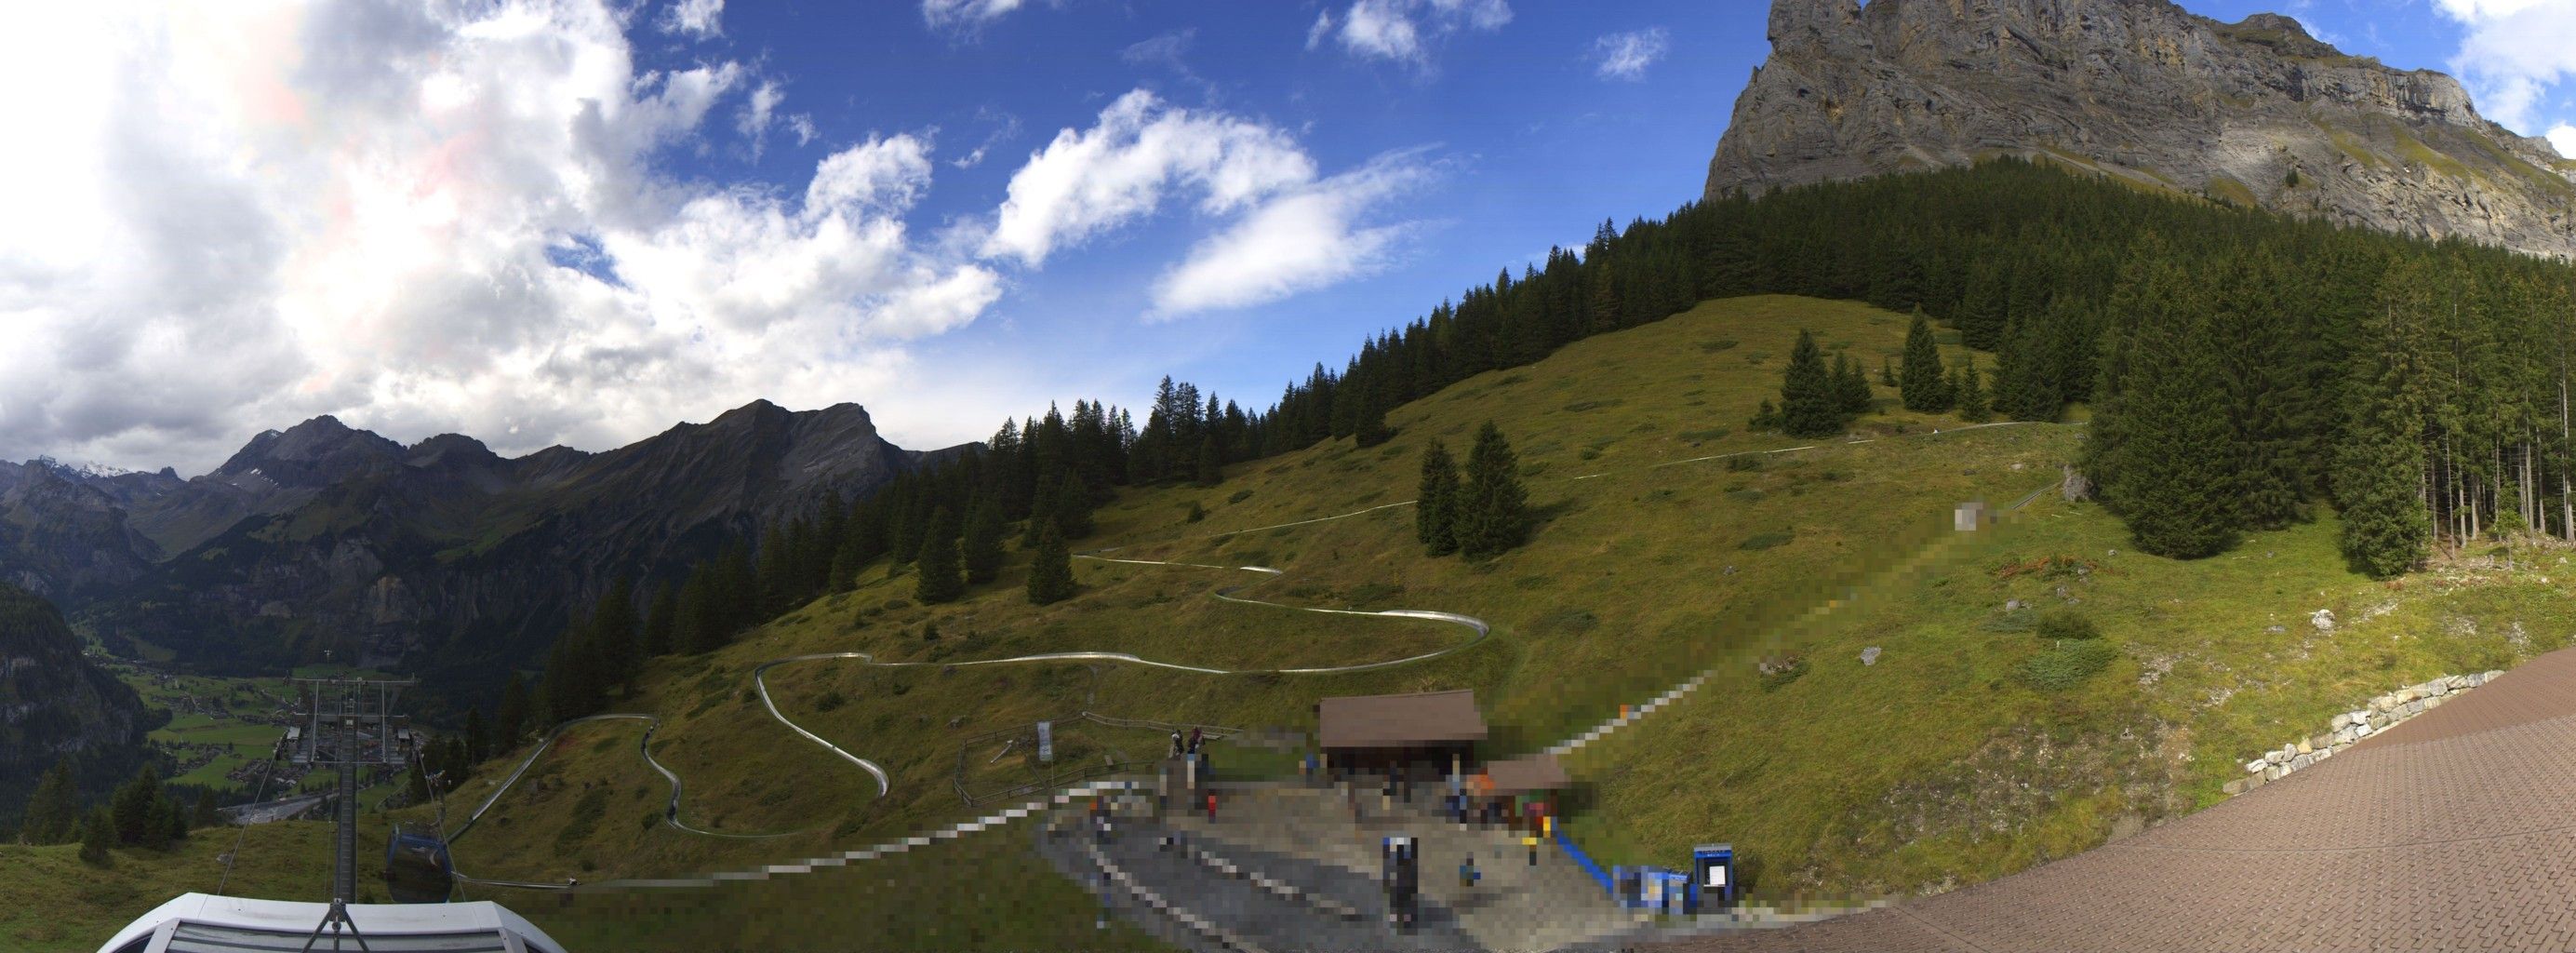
[{"x": 2255, "y": 112}]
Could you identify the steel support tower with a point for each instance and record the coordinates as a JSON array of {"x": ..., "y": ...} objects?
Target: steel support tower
[{"x": 347, "y": 724}]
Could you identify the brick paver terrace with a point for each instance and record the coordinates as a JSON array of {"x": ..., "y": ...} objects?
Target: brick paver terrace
[{"x": 2455, "y": 830}]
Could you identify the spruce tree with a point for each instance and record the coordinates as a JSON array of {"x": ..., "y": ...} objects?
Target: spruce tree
[
  {"x": 1922, "y": 383},
  {"x": 2175, "y": 483},
  {"x": 1211, "y": 467},
  {"x": 2381, "y": 457},
  {"x": 53, "y": 811},
  {"x": 1886, "y": 372},
  {"x": 1072, "y": 510},
  {"x": 97, "y": 835},
  {"x": 1493, "y": 509},
  {"x": 205, "y": 815},
  {"x": 612, "y": 627},
  {"x": 1042, "y": 507},
  {"x": 941, "y": 578},
  {"x": 1808, "y": 405},
  {"x": 1051, "y": 573},
  {"x": 141, "y": 818},
  {"x": 1851, "y": 387},
  {"x": 2025, "y": 383},
  {"x": 661, "y": 624},
  {"x": 982, "y": 547},
  {"x": 1435, "y": 511},
  {"x": 1971, "y": 389},
  {"x": 510, "y": 720}
]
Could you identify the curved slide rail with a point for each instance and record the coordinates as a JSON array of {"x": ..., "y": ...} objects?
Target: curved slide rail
[
  {"x": 877, "y": 772},
  {"x": 670, "y": 809}
]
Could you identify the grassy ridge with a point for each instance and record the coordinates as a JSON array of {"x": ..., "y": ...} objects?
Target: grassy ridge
[{"x": 1941, "y": 764}]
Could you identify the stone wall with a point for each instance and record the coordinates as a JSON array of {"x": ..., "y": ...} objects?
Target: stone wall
[{"x": 2349, "y": 728}]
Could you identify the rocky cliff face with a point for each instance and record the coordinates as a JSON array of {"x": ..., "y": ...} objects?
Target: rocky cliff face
[
  {"x": 2256, "y": 112},
  {"x": 55, "y": 704},
  {"x": 438, "y": 554}
]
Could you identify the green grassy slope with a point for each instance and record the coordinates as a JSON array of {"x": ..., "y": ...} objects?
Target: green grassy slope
[{"x": 1656, "y": 558}]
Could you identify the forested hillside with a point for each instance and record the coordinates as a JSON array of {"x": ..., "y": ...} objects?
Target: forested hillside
[{"x": 2243, "y": 368}]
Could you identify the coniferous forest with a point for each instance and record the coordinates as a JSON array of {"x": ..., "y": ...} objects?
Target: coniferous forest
[{"x": 2244, "y": 370}]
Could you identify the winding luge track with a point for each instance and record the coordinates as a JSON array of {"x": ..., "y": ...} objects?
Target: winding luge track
[{"x": 883, "y": 781}]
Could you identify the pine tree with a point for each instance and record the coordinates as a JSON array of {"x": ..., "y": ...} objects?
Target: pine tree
[
  {"x": 510, "y": 721},
  {"x": 1971, "y": 389},
  {"x": 2387, "y": 529},
  {"x": 53, "y": 811},
  {"x": 1851, "y": 387},
  {"x": 702, "y": 619},
  {"x": 1493, "y": 509},
  {"x": 1042, "y": 508},
  {"x": 1921, "y": 383},
  {"x": 612, "y": 629},
  {"x": 982, "y": 547},
  {"x": 174, "y": 821},
  {"x": 659, "y": 636},
  {"x": 1808, "y": 405},
  {"x": 1051, "y": 573},
  {"x": 2175, "y": 483},
  {"x": 1211, "y": 466},
  {"x": 1767, "y": 418},
  {"x": 1435, "y": 512},
  {"x": 97, "y": 835},
  {"x": 1072, "y": 510},
  {"x": 941, "y": 578},
  {"x": 140, "y": 812}
]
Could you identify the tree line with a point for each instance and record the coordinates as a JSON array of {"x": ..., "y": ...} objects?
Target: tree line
[{"x": 2244, "y": 369}]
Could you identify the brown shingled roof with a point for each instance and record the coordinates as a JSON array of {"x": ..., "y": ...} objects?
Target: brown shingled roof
[
  {"x": 1538, "y": 772},
  {"x": 1387, "y": 721}
]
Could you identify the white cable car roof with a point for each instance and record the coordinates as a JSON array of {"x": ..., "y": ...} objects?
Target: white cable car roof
[{"x": 203, "y": 923}]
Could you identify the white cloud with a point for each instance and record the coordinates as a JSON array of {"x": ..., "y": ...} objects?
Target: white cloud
[
  {"x": 964, "y": 14},
  {"x": 1626, "y": 55},
  {"x": 1290, "y": 231},
  {"x": 1403, "y": 30},
  {"x": 2513, "y": 53},
  {"x": 2564, "y": 137},
  {"x": 803, "y": 126},
  {"x": 698, "y": 18},
  {"x": 1305, "y": 238},
  {"x": 753, "y": 123},
  {"x": 1085, "y": 182},
  {"x": 425, "y": 220}
]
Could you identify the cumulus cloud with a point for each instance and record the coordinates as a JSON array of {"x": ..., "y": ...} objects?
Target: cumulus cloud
[
  {"x": 1626, "y": 55},
  {"x": 2513, "y": 53},
  {"x": 1403, "y": 31},
  {"x": 698, "y": 18},
  {"x": 1305, "y": 238},
  {"x": 2564, "y": 137},
  {"x": 426, "y": 220},
  {"x": 1087, "y": 181},
  {"x": 1288, "y": 229},
  {"x": 964, "y": 14}
]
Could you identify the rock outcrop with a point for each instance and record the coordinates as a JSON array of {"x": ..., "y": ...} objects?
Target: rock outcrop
[{"x": 2255, "y": 112}]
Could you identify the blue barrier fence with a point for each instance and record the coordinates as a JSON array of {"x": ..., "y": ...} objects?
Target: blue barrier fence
[{"x": 1584, "y": 860}]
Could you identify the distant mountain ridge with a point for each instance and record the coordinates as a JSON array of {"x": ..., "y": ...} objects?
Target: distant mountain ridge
[
  {"x": 322, "y": 536},
  {"x": 2255, "y": 112}
]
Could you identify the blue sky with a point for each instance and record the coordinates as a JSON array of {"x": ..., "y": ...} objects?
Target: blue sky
[{"x": 579, "y": 221}]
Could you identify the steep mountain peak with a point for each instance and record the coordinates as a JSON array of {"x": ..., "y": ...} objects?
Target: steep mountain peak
[
  {"x": 316, "y": 452},
  {"x": 2256, "y": 112}
]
